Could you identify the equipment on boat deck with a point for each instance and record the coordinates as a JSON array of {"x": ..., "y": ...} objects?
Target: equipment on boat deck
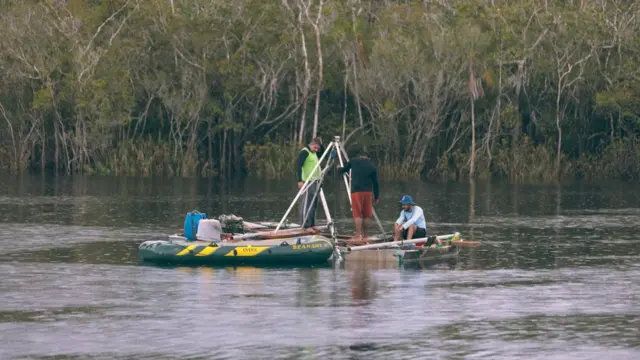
[
  {"x": 191, "y": 221},
  {"x": 209, "y": 230},
  {"x": 231, "y": 224}
]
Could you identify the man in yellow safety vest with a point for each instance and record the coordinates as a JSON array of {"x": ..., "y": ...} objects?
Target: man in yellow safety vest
[{"x": 307, "y": 161}]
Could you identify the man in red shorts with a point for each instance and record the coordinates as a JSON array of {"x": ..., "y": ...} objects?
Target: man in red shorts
[{"x": 365, "y": 191}]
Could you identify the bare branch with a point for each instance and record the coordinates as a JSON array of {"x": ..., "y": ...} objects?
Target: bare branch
[
  {"x": 103, "y": 24},
  {"x": 187, "y": 60}
]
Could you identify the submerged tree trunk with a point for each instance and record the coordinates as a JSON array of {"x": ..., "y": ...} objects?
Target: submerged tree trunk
[
  {"x": 346, "y": 95},
  {"x": 354, "y": 64},
  {"x": 316, "y": 28},
  {"x": 307, "y": 77},
  {"x": 475, "y": 91},
  {"x": 472, "y": 165},
  {"x": 210, "y": 148},
  {"x": 223, "y": 155},
  {"x": 43, "y": 147},
  {"x": 558, "y": 129}
]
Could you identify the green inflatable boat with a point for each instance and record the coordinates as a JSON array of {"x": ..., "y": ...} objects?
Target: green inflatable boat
[{"x": 304, "y": 250}]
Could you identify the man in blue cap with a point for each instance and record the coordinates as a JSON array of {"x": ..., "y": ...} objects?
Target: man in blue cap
[{"x": 411, "y": 223}]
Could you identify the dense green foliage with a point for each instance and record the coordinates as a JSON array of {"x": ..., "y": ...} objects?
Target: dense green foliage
[{"x": 530, "y": 91}]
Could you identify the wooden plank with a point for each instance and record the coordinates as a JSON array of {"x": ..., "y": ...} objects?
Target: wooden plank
[
  {"x": 248, "y": 225},
  {"x": 282, "y": 234},
  {"x": 270, "y": 225},
  {"x": 344, "y": 240},
  {"x": 273, "y": 224}
]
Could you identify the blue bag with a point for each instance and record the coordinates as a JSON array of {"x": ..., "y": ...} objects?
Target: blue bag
[{"x": 191, "y": 222}]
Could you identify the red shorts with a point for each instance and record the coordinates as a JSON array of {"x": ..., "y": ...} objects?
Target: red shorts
[{"x": 362, "y": 204}]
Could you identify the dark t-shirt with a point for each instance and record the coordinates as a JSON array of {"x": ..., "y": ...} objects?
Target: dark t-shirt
[{"x": 364, "y": 176}]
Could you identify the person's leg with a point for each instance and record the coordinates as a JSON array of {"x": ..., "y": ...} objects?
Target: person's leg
[
  {"x": 314, "y": 204},
  {"x": 410, "y": 232},
  {"x": 367, "y": 212},
  {"x": 358, "y": 222},
  {"x": 419, "y": 234},
  {"x": 365, "y": 227},
  {"x": 397, "y": 232},
  {"x": 303, "y": 208},
  {"x": 307, "y": 209},
  {"x": 356, "y": 209}
]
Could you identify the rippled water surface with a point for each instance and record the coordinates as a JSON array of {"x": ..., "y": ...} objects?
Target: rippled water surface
[{"x": 557, "y": 277}]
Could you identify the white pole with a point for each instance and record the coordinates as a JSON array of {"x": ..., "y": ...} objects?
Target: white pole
[
  {"x": 344, "y": 175},
  {"x": 344, "y": 153},
  {"x": 412, "y": 241},
  {"x": 260, "y": 233},
  {"x": 315, "y": 196},
  {"x": 332, "y": 228},
  {"x": 304, "y": 187},
  {"x": 325, "y": 206}
]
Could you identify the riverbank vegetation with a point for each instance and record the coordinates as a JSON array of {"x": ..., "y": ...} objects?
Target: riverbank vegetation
[{"x": 533, "y": 90}]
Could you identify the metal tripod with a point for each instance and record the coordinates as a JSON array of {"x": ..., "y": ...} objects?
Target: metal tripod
[{"x": 336, "y": 146}]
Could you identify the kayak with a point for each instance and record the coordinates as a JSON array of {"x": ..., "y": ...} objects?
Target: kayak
[
  {"x": 422, "y": 254},
  {"x": 402, "y": 255},
  {"x": 346, "y": 241},
  {"x": 306, "y": 250},
  {"x": 394, "y": 253}
]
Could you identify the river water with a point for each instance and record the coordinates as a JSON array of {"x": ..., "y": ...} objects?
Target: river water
[{"x": 557, "y": 276}]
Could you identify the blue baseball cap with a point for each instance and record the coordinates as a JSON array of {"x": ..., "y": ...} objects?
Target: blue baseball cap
[{"x": 407, "y": 200}]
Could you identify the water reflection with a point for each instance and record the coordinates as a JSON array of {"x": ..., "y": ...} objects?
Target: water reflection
[
  {"x": 363, "y": 286},
  {"x": 309, "y": 294}
]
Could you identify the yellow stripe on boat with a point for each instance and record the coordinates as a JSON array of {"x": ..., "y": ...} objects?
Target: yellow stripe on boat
[
  {"x": 186, "y": 250},
  {"x": 208, "y": 250},
  {"x": 247, "y": 250}
]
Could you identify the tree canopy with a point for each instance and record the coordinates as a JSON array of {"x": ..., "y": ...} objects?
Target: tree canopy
[{"x": 528, "y": 90}]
